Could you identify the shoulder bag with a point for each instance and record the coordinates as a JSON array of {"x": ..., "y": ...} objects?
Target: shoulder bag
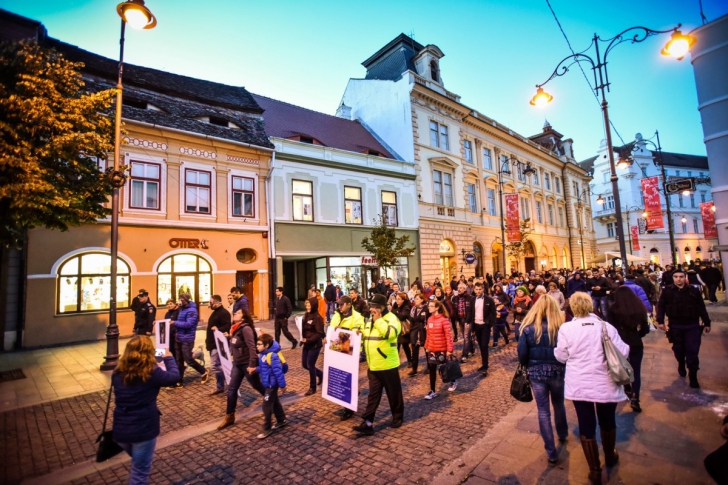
[
  {"x": 521, "y": 386},
  {"x": 620, "y": 370},
  {"x": 108, "y": 448},
  {"x": 450, "y": 370}
]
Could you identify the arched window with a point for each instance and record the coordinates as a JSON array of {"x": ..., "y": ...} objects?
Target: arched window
[
  {"x": 84, "y": 283},
  {"x": 435, "y": 71},
  {"x": 184, "y": 273},
  {"x": 654, "y": 251}
]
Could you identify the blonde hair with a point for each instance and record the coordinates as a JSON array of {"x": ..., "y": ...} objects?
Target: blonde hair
[
  {"x": 545, "y": 307},
  {"x": 137, "y": 362},
  {"x": 581, "y": 304}
]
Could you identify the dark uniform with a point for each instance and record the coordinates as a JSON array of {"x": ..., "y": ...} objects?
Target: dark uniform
[
  {"x": 144, "y": 318},
  {"x": 684, "y": 308}
]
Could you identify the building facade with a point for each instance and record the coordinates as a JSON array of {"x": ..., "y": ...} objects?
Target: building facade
[{"x": 458, "y": 153}]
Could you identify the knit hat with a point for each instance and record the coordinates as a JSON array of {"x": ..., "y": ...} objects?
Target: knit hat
[{"x": 524, "y": 290}]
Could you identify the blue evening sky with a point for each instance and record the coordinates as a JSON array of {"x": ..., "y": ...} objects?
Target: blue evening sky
[{"x": 495, "y": 52}]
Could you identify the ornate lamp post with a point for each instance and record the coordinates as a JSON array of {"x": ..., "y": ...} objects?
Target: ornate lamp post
[
  {"x": 138, "y": 16},
  {"x": 582, "y": 198},
  {"x": 678, "y": 46},
  {"x": 504, "y": 169}
]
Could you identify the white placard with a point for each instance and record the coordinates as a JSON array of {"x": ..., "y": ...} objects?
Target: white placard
[
  {"x": 161, "y": 333},
  {"x": 341, "y": 367},
  {"x": 299, "y": 325},
  {"x": 223, "y": 351}
]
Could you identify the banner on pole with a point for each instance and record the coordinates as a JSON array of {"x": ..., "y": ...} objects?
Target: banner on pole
[
  {"x": 653, "y": 206},
  {"x": 341, "y": 367},
  {"x": 223, "y": 351},
  {"x": 635, "y": 238},
  {"x": 512, "y": 218},
  {"x": 709, "y": 228}
]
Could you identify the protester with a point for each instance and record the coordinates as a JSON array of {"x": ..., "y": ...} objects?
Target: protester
[
  {"x": 272, "y": 378},
  {"x": 172, "y": 314},
  {"x": 136, "y": 382},
  {"x": 348, "y": 318},
  {"x": 447, "y": 301},
  {"x": 539, "y": 335},
  {"x": 312, "y": 340},
  {"x": 439, "y": 344},
  {"x": 186, "y": 327},
  {"x": 330, "y": 297},
  {"x": 219, "y": 320},
  {"x": 521, "y": 305},
  {"x": 588, "y": 384}
]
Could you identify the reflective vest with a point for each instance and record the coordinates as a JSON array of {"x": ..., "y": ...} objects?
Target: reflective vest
[
  {"x": 380, "y": 342},
  {"x": 353, "y": 322}
]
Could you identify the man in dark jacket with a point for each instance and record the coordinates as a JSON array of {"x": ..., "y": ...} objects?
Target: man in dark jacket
[
  {"x": 462, "y": 304},
  {"x": 684, "y": 306},
  {"x": 186, "y": 326},
  {"x": 644, "y": 283},
  {"x": 283, "y": 313},
  {"x": 358, "y": 303},
  {"x": 575, "y": 284},
  {"x": 483, "y": 318},
  {"x": 599, "y": 286},
  {"x": 330, "y": 297},
  {"x": 144, "y": 315},
  {"x": 241, "y": 301},
  {"x": 219, "y": 320},
  {"x": 711, "y": 276}
]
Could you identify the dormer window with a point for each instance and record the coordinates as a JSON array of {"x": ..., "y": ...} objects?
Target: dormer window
[
  {"x": 306, "y": 139},
  {"x": 134, "y": 103},
  {"x": 434, "y": 71},
  {"x": 374, "y": 153},
  {"x": 214, "y": 120}
]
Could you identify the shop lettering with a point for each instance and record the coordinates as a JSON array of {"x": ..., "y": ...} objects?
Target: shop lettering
[
  {"x": 369, "y": 261},
  {"x": 188, "y": 243}
]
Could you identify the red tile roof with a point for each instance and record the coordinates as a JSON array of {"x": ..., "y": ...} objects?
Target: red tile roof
[{"x": 283, "y": 120}]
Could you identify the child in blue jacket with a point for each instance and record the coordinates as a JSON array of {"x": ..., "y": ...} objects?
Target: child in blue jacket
[
  {"x": 273, "y": 378},
  {"x": 501, "y": 315}
]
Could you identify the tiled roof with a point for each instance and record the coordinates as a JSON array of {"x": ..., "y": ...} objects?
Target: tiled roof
[{"x": 283, "y": 120}]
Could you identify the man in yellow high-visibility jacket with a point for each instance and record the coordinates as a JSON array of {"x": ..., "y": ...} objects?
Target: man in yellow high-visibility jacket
[
  {"x": 349, "y": 319},
  {"x": 379, "y": 338}
]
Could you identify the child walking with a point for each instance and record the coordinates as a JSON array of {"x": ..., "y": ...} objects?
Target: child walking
[
  {"x": 273, "y": 378},
  {"x": 501, "y": 316}
]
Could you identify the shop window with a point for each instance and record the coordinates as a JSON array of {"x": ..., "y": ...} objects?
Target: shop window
[
  {"x": 84, "y": 283},
  {"x": 243, "y": 197},
  {"x": 352, "y": 205},
  {"x": 197, "y": 191},
  {"x": 246, "y": 255},
  {"x": 145, "y": 184},
  {"x": 184, "y": 273},
  {"x": 389, "y": 207},
  {"x": 302, "y": 200}
]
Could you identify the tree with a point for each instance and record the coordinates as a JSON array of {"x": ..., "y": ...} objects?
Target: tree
[
  {"x": 52, "y": 131},
  {"x": 516, "y": 249},
  {"x": 384, "y": 244}
]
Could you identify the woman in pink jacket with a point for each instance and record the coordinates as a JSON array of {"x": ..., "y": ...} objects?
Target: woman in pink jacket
[
  {"x": 588, "y": 383},
  {"x": 438, "y": 344}
]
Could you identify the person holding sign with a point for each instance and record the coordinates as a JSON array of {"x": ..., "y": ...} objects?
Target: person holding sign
[
  {"x": 219, "y": 320},
  {"x": 313, "y": 335},
  {"x": 380, "y": 341},
  {"x": 348, "y": 318}
]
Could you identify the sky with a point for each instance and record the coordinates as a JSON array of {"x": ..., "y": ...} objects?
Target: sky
[{"x": 496, "y": 51}]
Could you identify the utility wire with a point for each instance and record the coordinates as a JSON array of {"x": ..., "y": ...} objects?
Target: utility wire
[{"x": 586, "y": 78}]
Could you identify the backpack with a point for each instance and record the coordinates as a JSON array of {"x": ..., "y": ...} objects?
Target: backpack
[{"x": 284, "y": 364}]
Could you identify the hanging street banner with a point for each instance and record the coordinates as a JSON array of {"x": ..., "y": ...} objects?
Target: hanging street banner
[
  {"x": 512, "y": 218},
  {"x": 709, "y": 229},
  {"x": 653, "y": 206},
  {"x": 223, "y": 351},
  {"x": 341, "y": 367},
  {"x": 635, "y": 238}
]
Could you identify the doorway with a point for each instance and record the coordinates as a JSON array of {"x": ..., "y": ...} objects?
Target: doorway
[{"x": 244, "y": 281}]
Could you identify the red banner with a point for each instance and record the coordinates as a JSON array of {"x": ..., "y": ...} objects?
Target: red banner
[
  {"x": 709, "y": 229},
  {"x": 635, "y": 238},
  {"x": 512, "y": 218},
  {"x": 651, "y": 191}
]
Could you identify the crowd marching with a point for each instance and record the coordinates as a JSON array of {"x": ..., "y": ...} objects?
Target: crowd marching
[{"x": 557, "y": 318}]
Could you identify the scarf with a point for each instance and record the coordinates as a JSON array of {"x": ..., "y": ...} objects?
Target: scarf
[
  {"x": 519, "y": 299},
  {"x": 234, "y": 328},
  {"x": 461, "y": 307}
]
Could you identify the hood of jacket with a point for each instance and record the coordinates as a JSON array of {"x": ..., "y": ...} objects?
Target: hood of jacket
[
  {"x": 314, "y": 304},
  {"x": 274, "y": 347}
]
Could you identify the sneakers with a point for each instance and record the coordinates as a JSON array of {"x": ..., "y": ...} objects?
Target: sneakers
[
  {"x": 453, "y": 387},
  {"x": 279, "y": 425},
  {"x": 204, "y": 378},
  {"x": 431, "y": 395},
  {"x": 463, "y": 360},
  {"x": 265, "y": 433},
  {"x": 364, "y": 429}
]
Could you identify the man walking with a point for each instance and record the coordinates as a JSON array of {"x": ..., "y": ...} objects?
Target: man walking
[
  {"x": 330, "y": 297},
  {"x": 599, "y": 285},
  {"x": 219, "y": 320},
  {"x": 711, "y": 277},
  {"x": 186, "y": 326},
  {"x": 483, "y": 310},
  {"x": 347, "y": 317},
  {"x": 684, "y": 306},
  {"x": 283, "y": 313}
]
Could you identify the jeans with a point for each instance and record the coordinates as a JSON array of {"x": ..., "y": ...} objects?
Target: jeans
[
  {"x": 605, "y": 413},
  {"x": 240, "y": 371},
  {"x": 635, "y": 360},
  {"x": 216, "y": 369},
  {"x": 308, "y": 360},
  {"x": 516, "y": 329},
  {"x": 600, "y": 302},
  {"x": 541, "y": 391},
  {"x": 330, "y": 309},
  {"x": 467, "y": 340},
  {"x": 184, "y": 355},
  {"x": 272, "y": 405},
  {"x": 141, "y": 454}
]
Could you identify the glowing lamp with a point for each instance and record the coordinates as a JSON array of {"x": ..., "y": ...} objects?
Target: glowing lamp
[{"x": 541, "y": 98}]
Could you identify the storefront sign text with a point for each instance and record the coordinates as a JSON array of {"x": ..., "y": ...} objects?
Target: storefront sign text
[
  {"x": 369, "y": 261},
  {"x": 188, "y": 243}
]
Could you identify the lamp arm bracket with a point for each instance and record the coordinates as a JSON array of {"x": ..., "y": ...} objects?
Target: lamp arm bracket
[
  {"x": 641, "y": 34},
  {"x": 562, "y": 67}
]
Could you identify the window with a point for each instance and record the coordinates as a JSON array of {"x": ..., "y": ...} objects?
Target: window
[
  {"x": 539, "y": 212},
  {"x": 605, "y": 177},
  {"x": 702, "y": 197},
  {"x": 692, "y": 200},
  {"x": 644, "y": 170},
  {"x": 389, "y": 207},
  {"x": 576, "y": 188},
  {"x": 243, "y": 197},
  {"x": 557, "y": 183},
  {"x": 525, "y": 208},
  {"x": 468, "y": 151},
  {"x": 352, "y": 205},
  {"x": 550, "y": 209},
  {"x": 536, "y": 177},
  {"x": 684, "y": 226},
  {"x": 438, "y": 136},
  {"x": 197, "y": 191},
  {"x": 487, "y": 160},
  {"x": 701, "y": 175},
  {"x": 610, "y": 229},
  {"x": 610, "y": 202},
  {"x": 521, "y": 175},
  {"x": 84, "y": 283},
  {"x": 302, "y": 200},
  {"x": 145, "y": 183},
  {"x": 677, "y": 173},
  {"x": 434, "y": 71},
  {"x": 472, "y": 200},
  {"x": 561, "y": 217},
  {"x": 443, "y": 188},
  {"x": 184, "y": 273},
  {"x": 696, "y": 229},
  {"x": 547, "y": 181},
  {"x": 491, "y": 202},
  {"x": 680, "y": 201},
  {"x": 690, "y": 173}
]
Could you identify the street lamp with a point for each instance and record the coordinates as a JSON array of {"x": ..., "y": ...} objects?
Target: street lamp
[
  {"x": 504, "y": 169},
  {"x": 601, "y": 86},
  {"x": 139, "y": 17},
  {"x": 582, "y": 198}
]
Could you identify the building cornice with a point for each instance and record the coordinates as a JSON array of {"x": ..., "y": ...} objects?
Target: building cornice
[{"x": 289, "y": 157}]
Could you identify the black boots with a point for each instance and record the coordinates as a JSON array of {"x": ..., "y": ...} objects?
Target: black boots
[
  {"x": 681, "y": 369},
  {"x": 693, "y": 377},
  {"x": 591, "y": 452},
  {"x": 609, "y": 438}
]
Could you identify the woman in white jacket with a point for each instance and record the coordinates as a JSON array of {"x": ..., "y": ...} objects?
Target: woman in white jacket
[{"x": 588, "y": 384}]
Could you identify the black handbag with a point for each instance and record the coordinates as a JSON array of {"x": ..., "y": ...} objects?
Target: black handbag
[
  {"x": 521, "y": 386},
  {"x": 108, "y": 448},
  {"x": 450, "y": 370}
]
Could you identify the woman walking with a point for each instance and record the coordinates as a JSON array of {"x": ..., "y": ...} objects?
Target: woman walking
[
  {"x": 629, "y": 317},
  {"x": 313, "y": 335},
  {"x": 439, "y": 344},
  {"x": 402, "y": 309},
  {"x": 418, "y": 318},
  {"x": 539, "y": 333},
  {"x": 588, "y": 383},
  {"x": 557, "y": 295},
  {"x": 136, "y": 382},
  {"x": 447, "y": 301},
  {"x": 521, "y": 305}
]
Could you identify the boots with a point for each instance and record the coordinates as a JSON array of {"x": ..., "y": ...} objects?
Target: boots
[
  {"x": 681, "y": 369},
  {"x": 228, "y": 421},
  {"x": 611, "y": 457},
  {"x": 591, "y": 452},
  {"x": 693, "y": 377}
]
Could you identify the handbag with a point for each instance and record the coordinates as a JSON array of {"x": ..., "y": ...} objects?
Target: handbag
[
  {"x": 620, "y": 370},
  {"x": 108, "y": 448},
  {"x": 521, "y": 386},
  {"x": 450, "y": 370},
  {"x": 406, "y": 326}
]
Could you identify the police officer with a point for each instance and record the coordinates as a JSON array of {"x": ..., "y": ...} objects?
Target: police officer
[
  {"x": 144, "y": 315},
  {"x": 380, "y": 341},
  {"x": 684, "y": 306},
  {"x": 348, "y": 318}
]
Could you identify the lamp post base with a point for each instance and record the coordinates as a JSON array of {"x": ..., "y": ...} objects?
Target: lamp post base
[{"x": 112, "y": 348}]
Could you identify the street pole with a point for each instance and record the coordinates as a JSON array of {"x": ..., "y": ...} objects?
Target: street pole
[
  {"x": 670, "y": 223},
  {"x": 503, "y": 219}
]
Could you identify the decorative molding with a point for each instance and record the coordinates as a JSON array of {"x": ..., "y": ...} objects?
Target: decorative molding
[
  {"x": 150, "y": 144},
  {"x": 197, "y": 152},
  {"x": 249, "y": 161}
]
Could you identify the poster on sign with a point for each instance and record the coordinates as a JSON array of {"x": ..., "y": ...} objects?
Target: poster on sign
[
  {"x": 635, "y": 238},
  {"x": 709, "y": 228},
  {"x": 653, "y": 206},
  {"x": 341, "y": 367},
  {"x": 223, "y": 350},
  {"x": 512, "y": 222},
  {"x": 161, "y": 333}
]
